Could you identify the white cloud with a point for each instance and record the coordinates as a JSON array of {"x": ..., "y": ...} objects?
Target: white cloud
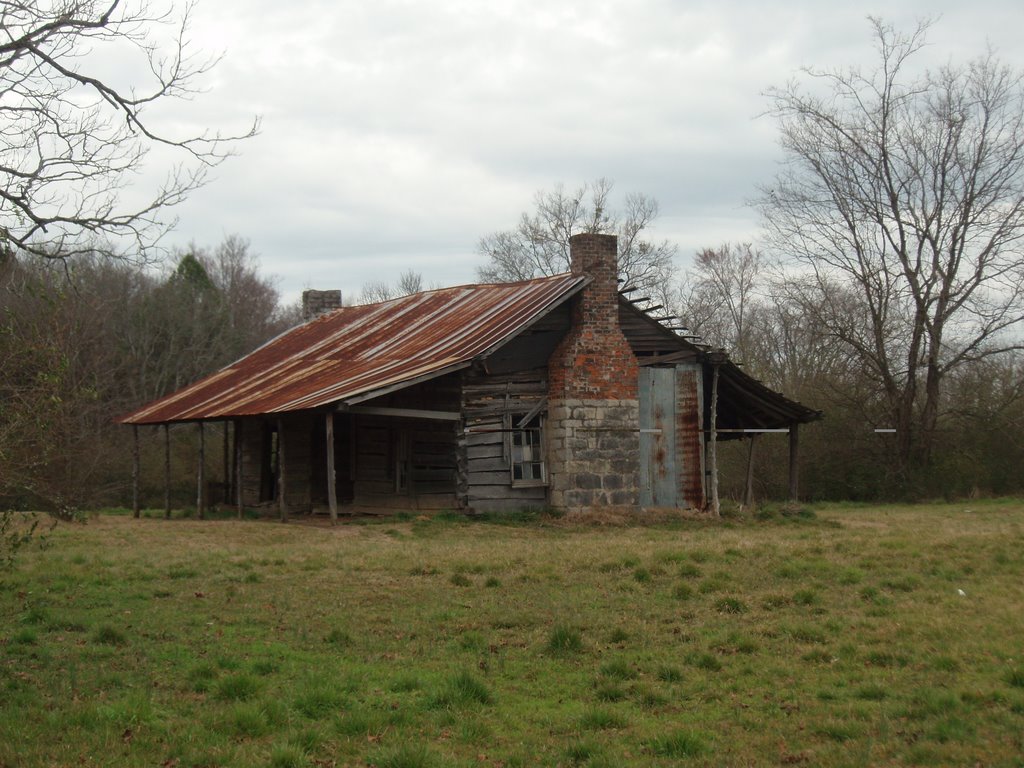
[{"x": 397, "y": 133}]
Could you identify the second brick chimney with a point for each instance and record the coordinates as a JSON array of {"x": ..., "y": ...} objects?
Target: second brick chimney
[
  {"x": 316, "y": 303},
  {"x": 593, "y": 412}
]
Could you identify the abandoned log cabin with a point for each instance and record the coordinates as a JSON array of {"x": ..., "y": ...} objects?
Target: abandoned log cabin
[{"x": 555, "y": 392}]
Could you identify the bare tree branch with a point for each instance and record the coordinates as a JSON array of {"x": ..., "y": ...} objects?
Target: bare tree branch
[
  {"x": 906, "y": 191},
  {"x": 71, "y": 138},
  {"x": 540, "y": 244}
]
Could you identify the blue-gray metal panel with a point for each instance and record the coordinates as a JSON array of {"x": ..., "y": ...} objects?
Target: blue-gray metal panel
[{"x": 658, "y": 466}]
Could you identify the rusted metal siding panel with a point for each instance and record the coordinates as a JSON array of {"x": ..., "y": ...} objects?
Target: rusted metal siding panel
[
  {"x": 658, "y": 448},
  {"x": 690, "y": 434},
  {"x": 356, "y": 351}
]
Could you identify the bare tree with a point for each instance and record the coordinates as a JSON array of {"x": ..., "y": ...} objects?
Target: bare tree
[
  {"x": 539, "y": 245},
  {"x": 722, "y": 294},
  {"x": 410, "y": 282},
  {"x": 380, "y": 290},
  {"x": 74, "y": 133},
  {"x": 902, "y": 198}
]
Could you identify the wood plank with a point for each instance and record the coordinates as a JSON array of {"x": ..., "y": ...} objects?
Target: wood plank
[
  {"x": 226, "y": 456},
  {"x": 488, "y": 478},
  {"x": 433, "y": 489},
  {"x": 485, "y": 438},
  {"x": 486, "y": 451},
  {"x": 281, "y": 473},
  {"x": 167, "y": 472},
  {"x": 748, "y": 488},
  {"x": 201, "y": 475},
  {"x": 521, "y": 493},
  {"x": 501, "y": 407},
  {"x": 332, "y": 488},
  {"x": 406, "y": 413},
  {"x": 239, "y": 484},
  {"x": 794, "y": 462},
  {"x": 713, "y": 443},
  {"x": 489, "y": 464},
  {"x": 135, "y": 471}
]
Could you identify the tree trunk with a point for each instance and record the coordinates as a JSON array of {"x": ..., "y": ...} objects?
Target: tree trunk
[{"x": 930, "y": 412}]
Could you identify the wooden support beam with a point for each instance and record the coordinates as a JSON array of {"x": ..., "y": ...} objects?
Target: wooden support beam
[
  {"x": 281, "y": 495},
  {"x": 226, "y": 476},
  {"x": 332, "y": 488},
  {"x": 716, "y": 509},
  {"x": 238, "y": 468},
  {"x": 748, "y": 491},
  {"x": 201, "y": 475},
  {"x": 167, "y": 471},
  {"x": 794, "y": 462},
  {"x": 135, "y": 471},
  {"x": 408, "y": 413}
]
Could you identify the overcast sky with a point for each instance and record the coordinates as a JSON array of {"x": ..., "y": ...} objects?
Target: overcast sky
[{"x": 397, "y": 133}]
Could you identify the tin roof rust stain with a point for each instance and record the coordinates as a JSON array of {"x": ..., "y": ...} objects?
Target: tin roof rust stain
[{"x": 352, "y": 352}]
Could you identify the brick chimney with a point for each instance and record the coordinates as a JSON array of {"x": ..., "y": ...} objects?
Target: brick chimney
[
  {"x": 316, "y": 303},
  {"x": 593, "y": 411}
]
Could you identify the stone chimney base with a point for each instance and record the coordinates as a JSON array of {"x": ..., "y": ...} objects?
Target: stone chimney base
[{"x": 594, "y": 453}]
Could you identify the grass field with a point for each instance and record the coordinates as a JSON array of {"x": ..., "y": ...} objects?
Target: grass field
[{"x": 864, "y": 636}]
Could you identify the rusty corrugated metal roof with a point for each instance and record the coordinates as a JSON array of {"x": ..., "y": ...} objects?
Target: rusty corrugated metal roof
[{"x": 352, "y": 352}]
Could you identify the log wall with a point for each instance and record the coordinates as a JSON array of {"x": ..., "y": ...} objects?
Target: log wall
[{"x": 484, "y": 472}]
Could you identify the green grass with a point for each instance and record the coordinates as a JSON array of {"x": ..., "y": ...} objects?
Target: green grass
[{"x": 836, "y": 638}]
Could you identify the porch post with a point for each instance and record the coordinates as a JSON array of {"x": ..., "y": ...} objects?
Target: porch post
[
  {"x": 238, "y": 467},
  {"x": 201, "y": 474},
  {"x": 713, "y": 445},
  {"x": 167, "y": 471},
  {"x": 135, "y": 471},
  {"x": 281, "y": 472},
  {"x": 794, "y": 448},
  {"x": 332, "y": 491},
  {"x": 748, "y": 492},
  {"x": 226, "y": 476}
]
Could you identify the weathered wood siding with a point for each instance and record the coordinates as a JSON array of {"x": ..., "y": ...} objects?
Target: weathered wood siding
[
  {"x": 404, "y": 463},
  {"x": 423, "y": 451},
  {"x": 298, "y": 457},
  {"x": 252, "y": 439},
  {"x": 259, "y": 484},
  {"x": 485, "y": 477}
]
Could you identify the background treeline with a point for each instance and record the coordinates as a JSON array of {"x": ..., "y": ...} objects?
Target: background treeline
[
  {"x": 737, "y": 298},
  {"x": 85, "y": 340}
]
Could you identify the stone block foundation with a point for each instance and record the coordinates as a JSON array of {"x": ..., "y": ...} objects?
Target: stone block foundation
[{"x": 593, "y": 453}]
